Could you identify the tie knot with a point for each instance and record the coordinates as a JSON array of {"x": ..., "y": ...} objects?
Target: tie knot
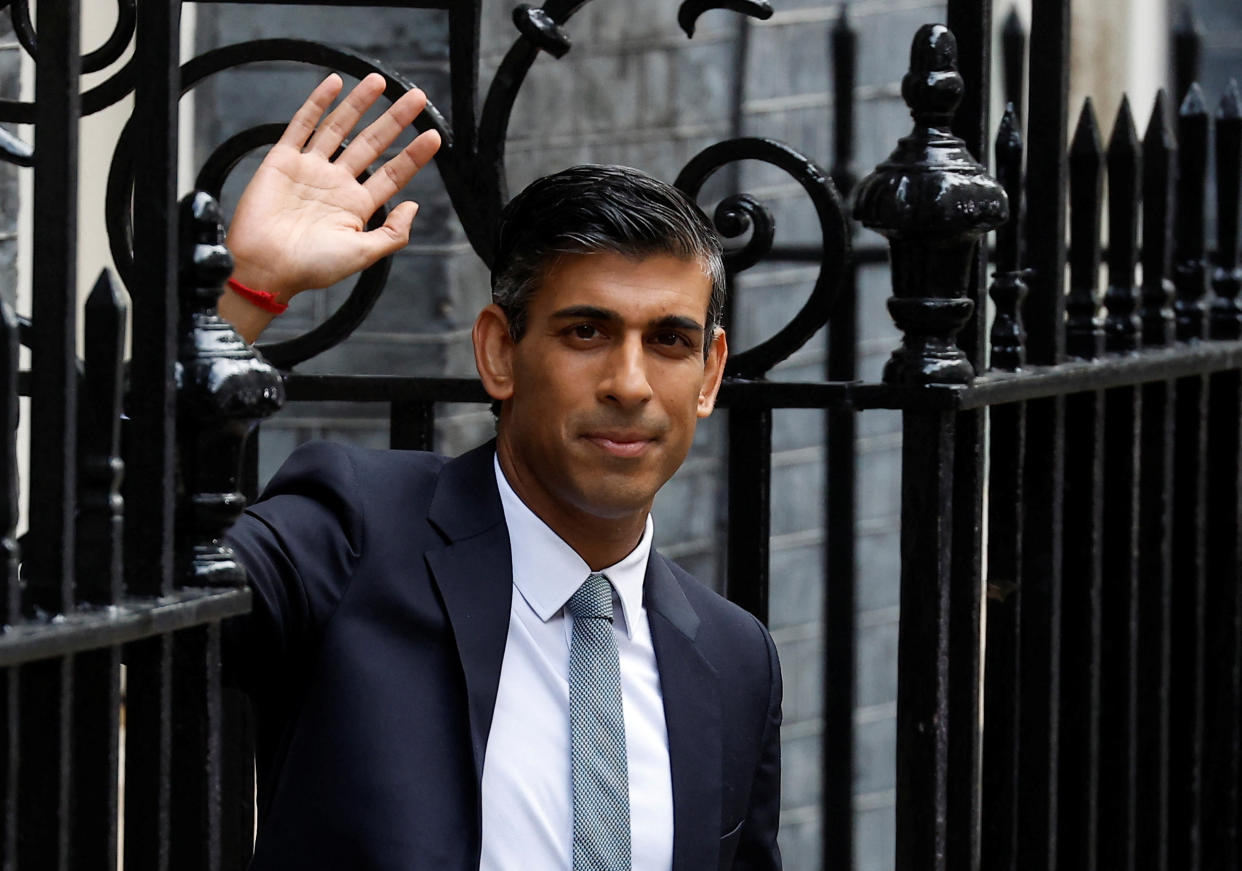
[{"x": 592, "y": 599}]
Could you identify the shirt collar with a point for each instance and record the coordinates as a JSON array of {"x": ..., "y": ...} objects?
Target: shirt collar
[{"x": 547, "y": 571}]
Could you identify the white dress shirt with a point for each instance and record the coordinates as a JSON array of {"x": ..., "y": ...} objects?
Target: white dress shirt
[{"x": 527, "y": 814}]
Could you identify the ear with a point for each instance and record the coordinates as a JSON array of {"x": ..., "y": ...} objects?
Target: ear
[
  {"x": 493, "y": 352},
  {"x": 713, "y": 373}
]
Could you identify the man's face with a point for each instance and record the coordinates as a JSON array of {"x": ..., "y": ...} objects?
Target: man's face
[{"x": 607, "y": 384}]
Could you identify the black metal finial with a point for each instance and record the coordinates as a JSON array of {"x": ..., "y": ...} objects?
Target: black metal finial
[
  {"x": 1008, "y": 290},
  {"x": 1190, "y": 274},
  {"x": 223, "y": 388},
  {"x": 1084, "y": 335},
  {"x": 1159, "y": 170},
  {"x": 1122, "y": 328},
  {"x": 933, "y": 201},
  {"x": 1226, "y": 314}
]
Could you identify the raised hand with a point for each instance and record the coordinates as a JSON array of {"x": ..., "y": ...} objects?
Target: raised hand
[{"x": 301, "y": 222}]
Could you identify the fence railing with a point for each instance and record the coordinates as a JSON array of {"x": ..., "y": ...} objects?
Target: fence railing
[{"x": 1094, "y": 431}]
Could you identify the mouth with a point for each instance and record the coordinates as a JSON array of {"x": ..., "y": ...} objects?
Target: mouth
[{"x": 621, "y": 444}]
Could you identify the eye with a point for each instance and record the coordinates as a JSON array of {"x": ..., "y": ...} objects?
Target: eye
[
  {"x": 583, "y": 331},
  {"x": 672, "y": 339}
]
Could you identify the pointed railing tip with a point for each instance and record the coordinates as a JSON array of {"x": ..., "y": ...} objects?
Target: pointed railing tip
[
  {"x": 105, "y": 293},
  {"x": 843, "y": 18},
  {"x": 1124, "y": 134},
  {"x": 1194, "y": 103},
  {"x": 1013, "y": 21},
  {"x": 1086, "y": 141},
  {"x": 1230, "y": 102},
  {"x": 1009, "y": 131},
  {"x": 1186, "y": 22}
]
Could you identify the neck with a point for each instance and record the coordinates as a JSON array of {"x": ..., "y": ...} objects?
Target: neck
[{"x": 600, "y": 541}]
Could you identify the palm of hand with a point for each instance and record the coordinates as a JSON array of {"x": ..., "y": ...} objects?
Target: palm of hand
[{"x": 301, "y": 222}]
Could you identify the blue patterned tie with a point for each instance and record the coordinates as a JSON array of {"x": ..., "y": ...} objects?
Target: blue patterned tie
[{"x": 601, "y": 796}]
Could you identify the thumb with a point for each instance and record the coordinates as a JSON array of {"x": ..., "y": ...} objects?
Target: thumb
[{"x": 391, "y": 237}]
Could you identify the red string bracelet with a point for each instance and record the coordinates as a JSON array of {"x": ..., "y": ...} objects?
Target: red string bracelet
[{"x": 261, "y": 298}]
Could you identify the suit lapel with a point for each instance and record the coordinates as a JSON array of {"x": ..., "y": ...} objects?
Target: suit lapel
[
  {"x": 474, "y": 574},
  {"x": 692, "y": 714}
]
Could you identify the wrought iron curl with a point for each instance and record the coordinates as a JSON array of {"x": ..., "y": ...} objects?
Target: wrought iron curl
[
  {"x": 741, "y": 212},
  {"x": 736, "y": 215},
  {"x": 107, "y": 93},
  {"x": 227, "y": 155},
  {"x": 540, "y": 29},
  {"x": 92, "y": 62}
]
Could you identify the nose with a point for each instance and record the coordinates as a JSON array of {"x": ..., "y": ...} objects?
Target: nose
[{"x": 625, "y": 382}]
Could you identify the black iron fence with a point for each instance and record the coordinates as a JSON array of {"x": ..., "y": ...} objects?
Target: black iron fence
[{"x": 1094, "y": 434}]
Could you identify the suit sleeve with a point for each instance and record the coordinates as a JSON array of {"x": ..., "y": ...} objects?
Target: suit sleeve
[
  {"x": 757, "y": 849},
  {"x": 299, "y": 544}
]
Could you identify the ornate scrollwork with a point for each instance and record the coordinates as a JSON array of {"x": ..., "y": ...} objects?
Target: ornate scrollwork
[
  {"x": 742, "y": 212},
  {"x": 688, "y": 14},
  {"x": 100, "y": 97}
]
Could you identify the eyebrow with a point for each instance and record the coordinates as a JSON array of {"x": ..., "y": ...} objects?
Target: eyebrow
[{"x": 593, "y": 313}]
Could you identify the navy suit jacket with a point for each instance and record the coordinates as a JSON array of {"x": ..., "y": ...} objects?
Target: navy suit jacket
[{"x": 382, "y": 584}]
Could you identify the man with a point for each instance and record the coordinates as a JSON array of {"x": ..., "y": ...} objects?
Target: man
[{"x": 480, "y": 662}]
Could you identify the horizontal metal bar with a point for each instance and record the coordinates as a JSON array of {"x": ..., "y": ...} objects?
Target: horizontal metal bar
[
  {"x": 994, "y": 388},
  {"x": 131, "y": 620}
]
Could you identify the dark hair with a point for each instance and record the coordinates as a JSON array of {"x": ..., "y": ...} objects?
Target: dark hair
[{"x": 592, "y": 208}]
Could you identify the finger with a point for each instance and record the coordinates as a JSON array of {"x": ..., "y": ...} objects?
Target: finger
[
  {"x": 396, "y": 173},
  {"x": 381, "y": 133},
  {"x": 340, "y": 122},
  {"x": 305, "y": 119},
  {"x": 387, "y": 239}
]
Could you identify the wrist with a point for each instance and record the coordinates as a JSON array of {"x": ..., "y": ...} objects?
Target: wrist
[{"x": 259, "y": 298}]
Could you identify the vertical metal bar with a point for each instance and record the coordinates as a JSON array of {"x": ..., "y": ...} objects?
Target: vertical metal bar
[
  {"x": 412, "y": 426},
  {"x": 1222, "y": 678},
  {"x": 97, "y": 673},
  {"x": 750, "y": 478},
  {"x": 840, "y": 633},
  {"x": 96, "y": 753},
  {"x": 1077, "y": 799},
  {"x": 1119, "y": 654},
  {"x": 10, "y": 591},
  {"x": 923, "y": 645},
  {"x": 1190, "y": 274},
  {"x": 237, "y": 779},
  {"x": 44, "y": 827},
  {"x": 53, "y": 405},
  {"x": 1084, "y": 335},
  {"x": 1041, "y": 630},
  {"x": 148, "y": 752},
  {"x": 195, "y": 808},
  {"x": 1206, "y": 830},
  {"x": 1047, "y": 173},
  {"x": 150, "y": 481},
  {"x": 1003, "y": 669},
  {"x": 1134, "y": 708}
]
